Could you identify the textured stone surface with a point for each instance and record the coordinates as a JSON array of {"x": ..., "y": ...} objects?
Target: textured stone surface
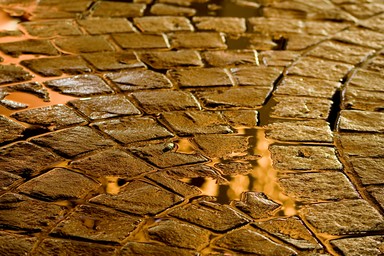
[
  {"x": 39, "y": 47},
  {"x": 247, "y": 118},
  {"x": 230, "y": 25},
  {"x": 366, "y": 145},
  {"x": 13, "y": 74},
  {"x": 367, "y": 80},
  {"x": 142, "y": 249},
  {"x": 197, "y": 40},
  {"x": 52, "y": 28},
  {"x": 171, "y": 59},
  {"x": 10, "y": 130},
  {"x": 7, "y": 179},
  {"x": 256, "y": 76},
  {"x": 377, "y": 193},
  {"x": 361, "y": 121},
  {"x": 369, "y": 170},
  {"x": 113, "y": 60},
  {"x": 14, "y": 245},
  {"x": 256, "y": 205},
  {"x": 363, "y": 99},
  {"x": 354, "y": 246},
  {"x": 118, "y": 9},
  {"x": 361, "y": 36},
  {"x": 230, "y": 58},
  {"x": 140, "y": 41},
  {"x": 194, "y": 77},
  {"x": 153, "y": 24},
  {"x": 167, "y": 9},
  {"x": 33, "y": 88},
  {"x": 95, "y": 26}
]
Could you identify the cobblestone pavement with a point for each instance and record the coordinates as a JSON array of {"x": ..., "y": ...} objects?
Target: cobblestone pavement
[{"x": 192, "y": 127}]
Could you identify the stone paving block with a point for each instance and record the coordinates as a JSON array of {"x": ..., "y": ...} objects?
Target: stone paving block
[
  {"x": 363, "y": 100},
  {"x": 81, "y": 85},
  {"x": 377, "y": 193},
  {"x": 230, "y": 25},
  {"x": 200, "y": 77},
  {"x": 344, "y": 217},
  {"x": 256, "y": 204},
  {"x": 193, "y": 171},
  {"x": 140, "y": 41},
  {"x": 57, "y": 66},
  {"x": 30, "y": 46},
  {"x": 274, "y": 26},
  {"x": 59, "y": 184},
  {"x": 364, "y": 10},
  {"x": 197, "y": 40},
  {"x": 365, "y": 145},
  {"x": 248, "y": 241},
  {"x": 113, "y": 60},
  {"x": 90, "y": 222},
  {"x": 12, "y": 74},
  {"x": 172, "y": 10},
  {"x": 73, "y": 141},
  {"x": 33, "y": 88},
  {"x": 21, "y": 212},
  {"x": 10, "y": 104},
  {"x": 195, "y": 122},
  {"x": 52, "y": 28},
  {"x": 238, "y": 118},
  {"x": 14, "y": 245},
  {"x": 376, "y": 63},
  {"x": 314, "y": 187},
  {"x": 68, "y": 6},
  {"x": 10, "y": 130},
  {"x": 50, "y": 246},
  {"x": 47, "y": 13},
  {"x": 159, "y": 24},
  {"x": 304, "y": 158},
  {"x": 139, "y": 197},
  {"x": 210, "y": 215},
  {"x": 54, "y": 117},
  {"x": 96, "y": 26},
  {"x": 129, "y": 130},
  {"x": 307, "y": 86},
  {"x": 256, "y": 76},
  {"x": 369, "y": 170},
  {"x": 183, "y": 2},
  {"x": 260, "y": 42},
  {"x": 142, "y": 249},
  {"x": 155, "y": 102},
  {"x": 367, "y": 80},
  {"x": 250, "y": 97},
  {"x": 374, "y": 23},
  {"x": 299, "y": 42},
  {"x": 320, "y": 68},
  {"x": 83, "y": 44},
  {"x": 303, "y": 131},
  {"x": 230, "y": 58},
  {"x": 7, "y": 179},
  {"x": 139, "y": 79},
  {"x": 25, "y": 159},
  {"x": 366, "y": 245},
  {"x": 234, "y": 167},
  {"x": 118, "y": 9},
  {"x": 277, "y": 58},
  {"x": 105, "y": 106},
  {"x": 179, "y": 234},
  {"x": 361, "y": 36},
  {"x": 291, "y": 230},
  {"x": 322, "y": 27},
  {"x": 361, "y": 121},
  {"x": 171, "y": 59},
  {"x": 163, "y": 156},
  {"x": 112, "y": 162}
]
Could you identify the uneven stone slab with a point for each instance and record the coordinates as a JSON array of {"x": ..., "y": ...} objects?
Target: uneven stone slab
[
  {"x": 361, "y": 36},
  {"x": 250, "y": 97},
  {"x": 299, "y": 42},
  {"x": 365, "y": 145},
  {"x": 12, "y": 74},
  {"x": 90, "y": 222},
  {"x": 374, "y": 23},
  {"x": 73, "y": 141},
  {"x": 57, "y": 66},
  {"x": 200, "y": 77},
  {"x": 171, "y": 59},
  {"x": 323, "y": 27},
  {"x": 142, "y": 249},
  {"x": 304, "y": 158},
  {"x": 303, "y": 131},
  {"x": 272, "y": 26},
  {"x": 10, "y": 130},
  {"x": 377, "y": 63},
  {"x": 52, "y": 28},
  {"x": 377, "y": 193},
  {"x": 59, "y": 184},
  {"x": 40, "y": 47},
  {"x": 131, "y": 130},
  {"x": 105, "y": 106},
  {"x": 367, "y": 80},
  {"x": 366, "y": 245},
  {"x": 139, "y": 79},
  {"x": 197, "y": 40},
  {"x": 193, "y": 171},
  {"x": 118, "y": 9},
  {"x": 249, "y": 241},
  {"x": 139, "y": 197},
  {"x": 154, "y": 102},
  {"x": 113, "y": 60},
  {"x": 369, "y": 170},
  {"x": 195, "y": 122},
  {"x": 292, "y": 231},
  {"x": 306, "y": 86},
  {"x": 344, "y": 217},
  {"x": 179, "y": 234},
  {"x": 256, "y": 76},
  {"x": 82, "y": 85},
  {"x": 10, "y": 104},
  {"x": 140, "y": 41},
  {"x": 25, "y": 159},
  {"x": 54, "y": 117},
  {"x": 33, "y": 88},
  {"x": 96, "y": 26},
  {"x": 314, "y": 187},
  {"x": 236, "y": 118},
  {"x": 163, "y": 156},
  {"x": 255, "y": 204},
  {"x": 21, "y": 212},
  {"x": 277, "y": 58},
  {"x": 83, "y": 44},
  {"x": 159, "y": 24},
  {"x": 172, "y": 10},
  {"x": 14, "y": 245},
  {"x": 7, "y": 179},
  {"x": 230, "y": 25},
  {"x": 260, "y": 42},
  {"x": 364, "y": 10},
  {"x": 210, "y": 215},
  {"x": 112, "y": 162},
  {"x": 234, "y": 167},
  {"x": 361, "y": 121},
  {"x": 358, "y": 99},
  {"x": 230, "y": 58}
]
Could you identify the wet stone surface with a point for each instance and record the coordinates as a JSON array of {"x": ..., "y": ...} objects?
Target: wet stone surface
[
  {"x": 367, "y": 245},
  {"x": 29, "y": 47},
  {"x": 10, "y": 130},
  {"x": 256, "y": 205}
]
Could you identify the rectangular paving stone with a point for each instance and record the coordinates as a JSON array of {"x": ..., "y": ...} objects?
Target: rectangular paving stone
[
  {"x": 160, "y": 24},
  {"x": 52, "y": 28},
  {"x": 172, "y": 10},
  {"x": 323, "y": 27},
  {"x": 276, "y": 58},
  {"x": 229, "y": 25},
  {"x": 365, "y": 245},
  {"x": 197, "y": 40},
  {"x": 10, "y": 130},
  {"x": 364, "y": 10},
  {"x": 367, "y": 80},
  {"x": 304, "y": 158},
  {"x": 300, "y": 42},
  {"x": 30, "y": 46},
  {"x": 358, "y": 99},
  {"x": 141, "y": 41},
  {"x": 96, "y": 26},
  {"x": 13, "y": 74},
  {"x": 171, "y": 59},
  {"x": 376, "y": 63},
  {"x": 73, "y": 141},
  {"x": 361, "y": 121},
  {"x": 275, "y": 25},
  {"x": 57, "y": 66},
  {"x": 118, "y": 9},
  {"x": 83, "y": 44},
  {"x": 256, "y": 76},
  {"x": 256, "y": 204},
  {"x": 230, "y": 58},
  {"x": 240, "y": 117},
  {"x": 129, "y": 130},
  {"x": 369, "y": 170},
  {"x": 104, "y": 61},
  {"x": 200, "y": 77},
  {"x": 366, "y": 145},
  {"x": 374, "y": 23},
  {"x": 361, "y": 36}
]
